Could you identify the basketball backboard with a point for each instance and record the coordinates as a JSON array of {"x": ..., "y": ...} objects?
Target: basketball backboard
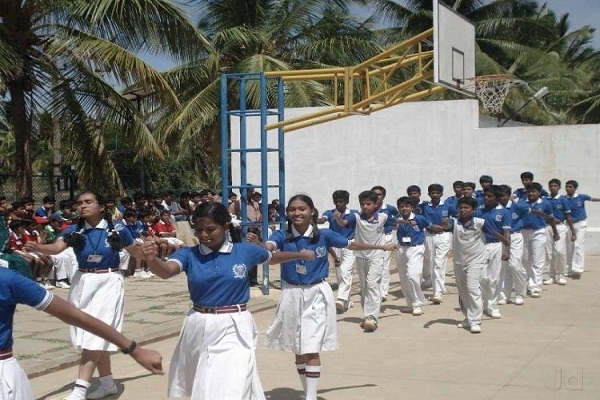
[{"x": 454, "y": 49}]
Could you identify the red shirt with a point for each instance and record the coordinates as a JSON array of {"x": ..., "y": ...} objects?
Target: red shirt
[{"x": 162, "y": 227}]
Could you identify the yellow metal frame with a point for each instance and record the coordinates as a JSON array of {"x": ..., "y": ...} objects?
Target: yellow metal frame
[{"x": 373, "y": 76}]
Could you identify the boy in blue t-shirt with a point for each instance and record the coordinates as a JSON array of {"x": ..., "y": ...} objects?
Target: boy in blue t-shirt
[
  {"x": 576, "y": 238},
  {"x": 338, "y": 218},
  {"x": 534, "y": 236}
]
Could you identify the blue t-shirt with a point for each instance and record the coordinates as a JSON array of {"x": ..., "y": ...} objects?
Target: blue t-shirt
[
  {"x": 136, "y": 229},
  {"x": 412, "y": 234},
  {"x": 96, "y": 252},
  {"x": 345, "y": 231},
  {"x": 16, "y": 289},
  {"x": 435, "y": 214},
  {"x": 392, "y": 213},
  {"x": 560, "y": 207},
  {"x": 518, "y": 210},
  {"x": 577, "y": 205},
  {"x": 496, "y": 220},
  {"x": 219, "y": 278},
  {"x": 534, "y": 221},
  {"x": 521, "y": 193},
  {"x": 300, "y": 272}
]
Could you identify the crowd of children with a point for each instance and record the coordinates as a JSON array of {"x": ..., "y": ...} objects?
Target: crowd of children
[{"x": 502, "y": 243}]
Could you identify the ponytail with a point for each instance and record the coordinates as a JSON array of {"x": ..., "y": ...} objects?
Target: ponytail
[
  {"x": 113, "y": 239},
  {"x": 76, "y": 240}
]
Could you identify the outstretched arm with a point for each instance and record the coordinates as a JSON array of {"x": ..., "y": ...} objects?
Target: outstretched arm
[
  {"x": 47, "y": 249},
  {"x": 367, "y": 246},
  {"x": 149, "y": 359},
  {"x": 164, "y": 269}
]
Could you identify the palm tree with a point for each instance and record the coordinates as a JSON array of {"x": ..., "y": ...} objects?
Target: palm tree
[
  {"x": 256, "y": 36},
  {"x": 73, "y": 58}
]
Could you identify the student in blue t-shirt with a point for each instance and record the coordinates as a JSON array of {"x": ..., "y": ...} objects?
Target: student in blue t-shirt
[
  {"x": 305, "y": 320},
  {"x": 437, "y": 243},
  {"x": 215, "y": 356},
  {"x": 497, "y": 245},
  {"x": 526, "y": 179},
  {"x": 556, "y": 251},
  {"x": 411, "y": 248},
  {"x": 576, "y": 238},
  {"x": 534, "y": 236},
  {"x": 96, "y": 288},
  {"x": 16, "y": 289},
  {"x": 338, "y": 219}
]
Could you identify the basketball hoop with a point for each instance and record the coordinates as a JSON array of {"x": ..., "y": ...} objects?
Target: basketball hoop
[{"x": 492, "y": 90}]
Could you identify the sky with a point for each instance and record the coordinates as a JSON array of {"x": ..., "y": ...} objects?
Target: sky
[{"x": 581, "y": 12}]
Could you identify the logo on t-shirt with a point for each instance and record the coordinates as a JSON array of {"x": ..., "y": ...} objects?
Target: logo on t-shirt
[
  {"x": 321, "y": 251},
  {"x": 239, "y": 271}
]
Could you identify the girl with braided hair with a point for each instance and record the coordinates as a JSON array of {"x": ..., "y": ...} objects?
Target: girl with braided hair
[
  {"x": 304, "y": 322},
  {"x": 97, "y": 288}
]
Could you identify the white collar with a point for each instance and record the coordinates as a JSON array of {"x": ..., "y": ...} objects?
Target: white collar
[
  {"x": 308, "y": 233},
  {"x": 226, "y": 247},
  {"x": 441, "y": 203},
  {"x": 101, "y": 225}
]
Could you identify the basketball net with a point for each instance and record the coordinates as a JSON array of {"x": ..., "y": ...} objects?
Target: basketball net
[{"x": 492, "y": 90}]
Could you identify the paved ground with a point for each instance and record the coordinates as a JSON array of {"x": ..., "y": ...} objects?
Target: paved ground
[{"x": 547, "y": 349}]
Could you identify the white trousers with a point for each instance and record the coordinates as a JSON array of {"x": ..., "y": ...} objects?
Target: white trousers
[
  {"x": 556, "y": 251},
  {"x": 513, "y": 271},
  {"x": 369, "y": 274},
  {"x": 344, "y": 272},
  {"x": 468, "y": 279},
  {"x": 385, "y": 274},
  {"x": 410, "y": 269},
  {"x": 575, "y": 249},
  {"x": 65, "y": 264},
  {"x": 534, "y": 256},
  {"x": 490, "y": 277},
  {"x": 437, "y": 247}
]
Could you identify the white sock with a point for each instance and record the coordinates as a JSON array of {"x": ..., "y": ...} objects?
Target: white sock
[
  {"x": 107, "y": 381},
  {"x": 79, "y": 390},
  {"x": 313, "y": 373},
  {"x": 301, "y": 373}
]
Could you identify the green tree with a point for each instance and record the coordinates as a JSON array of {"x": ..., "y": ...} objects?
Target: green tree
[
  {"x": 255, "y": 36},
  {"x": 73, "y": 58}
]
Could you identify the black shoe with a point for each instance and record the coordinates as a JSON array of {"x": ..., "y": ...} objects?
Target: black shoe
[{"x": 254, "y": 284}]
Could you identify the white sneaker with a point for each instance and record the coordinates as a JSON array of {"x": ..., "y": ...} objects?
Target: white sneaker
[
  {"x": 561, "y": 280},
  {"x": 102, "y": 392},
  {"x": 549, "y": 281},
  {"x": 502, "y": 302},
  {"x": 436, "y": 299},
  {"x": 464, "y": 324},
  {"x": 149, "y": 274},
  {"x": 340, "y": 307},
  {"x": 62, "y": 285},
  {"x": 519, "y": 300},
  {"x": 535, "y": 293},
  {"x": 476, "y": 329},
  {"x": 140, "y": 274},
  {"x": 46, "y": 285},
  {"x": 494, "y": 313},
  {"x": 417, "y": 311}
]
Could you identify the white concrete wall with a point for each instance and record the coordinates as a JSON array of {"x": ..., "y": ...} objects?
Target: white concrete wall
[{"x": 422, "y": 143}]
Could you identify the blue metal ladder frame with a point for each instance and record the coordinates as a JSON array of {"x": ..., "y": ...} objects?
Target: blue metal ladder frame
[{"x": 227, "y": 149}]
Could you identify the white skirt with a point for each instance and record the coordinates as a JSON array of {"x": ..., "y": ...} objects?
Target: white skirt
[
  {"x": 102, "y": 296},
  {"x": 305, "y": 320},
  {"x": 13, "y": 381},
  {"x": 215, "y": 358}
]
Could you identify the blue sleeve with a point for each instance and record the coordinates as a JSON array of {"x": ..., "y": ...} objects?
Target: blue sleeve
[
  {"x": 452, "y": 210},
  {"x": 566, "y": 205},
  {"x": 328, "y": 215},
  {"x": 548, "y": 208},
  {"x": 258, "y": 253},
  {"x": 520, "y": 208},
  {"x": 26, "y": 291},
  {"x": 278, "y": 237},
  {"x": 182, "y": 257},
  {"x": 506, "y": 219},
  {"x": 126, "y": 237},
  {"x": 422, "y": 222},
  {"x": 352, "y": 220},
  {"x": 586, "y": 197},
  {"x": 334, "y": 239}
]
